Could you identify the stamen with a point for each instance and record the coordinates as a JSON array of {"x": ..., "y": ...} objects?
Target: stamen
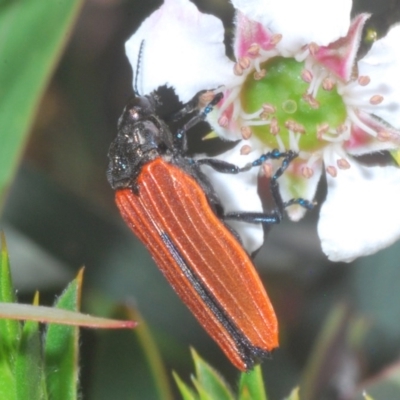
[
  {"x": 297, "y": 136},
  {"x": 307, "y": 75},
  {"x": 253, "y": 115},
  {"x": 267, "y": 169},
  {"x": 245, "y": 149},
  {"x": 299, "y": 128},
  {"x": 267, "y": 54},
  {"x": 269, "y": 108},
  {"x": 356, "y": 121},
  {"x": 205, "y": 98},
  {"x": 315, "y": 84},
  {"x": 384, "y": 136},
  {"x": 223, "y": 121},
  {"x": 231, "y": 97},
  {"x": 237, "y": 109},
  {"x": 363, "y": 80},
  {"x": 294, "y": 126},
  {"x": 257, "y": 64},
  {"x": 254, "y": 50},
  {"x": 258, "y": 75},
  {"x": 293, "y": 141},
  {"x": 312, "y": 159},
  {"x": 308, "y": 98},
  {"x": 237, "y": 69},
  {"x": 313, "y": 47},
  {"x": 336, "y": 135},
  {"x": 300, "y": 57},
  {"x": 332, "y": 171},
  {"x": 242, "y": 64},
  {"x": 355, "y": 102},
  {"x": 276, "y": 38},
  {"x": 274, "y": 127},
  {"x": 290, "y": 124},
  {"x": 341, "y": 128},
  {"x": 322, "y": 129},
  {"x": 375, "y": 100},
  {"x": 345, "y": 131},
  {"x": 256, "y": 123},
  {"x": 328, "y": 84},
  {"x": 281, "y": 145},
  {"x": 246, "y": 132},
  {"x": 342, "y": 163},
  {"x": 332, "y": 139},
  {"x": 307, "y": 172}
]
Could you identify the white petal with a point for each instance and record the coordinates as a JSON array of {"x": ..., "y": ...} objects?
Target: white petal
[
  {"x": 382, "y": 65},
  {"x": 300, "y": 22},
  {"x": 361, "y": 214},
  {"x": 239, "y": 193},
  {"x": 183, "y": 48}
]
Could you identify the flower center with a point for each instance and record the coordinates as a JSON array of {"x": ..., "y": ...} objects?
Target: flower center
[{"x": 297, "y": 109}]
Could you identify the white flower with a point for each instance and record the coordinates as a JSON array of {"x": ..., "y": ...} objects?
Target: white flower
[{"x": 295, "y": 84}]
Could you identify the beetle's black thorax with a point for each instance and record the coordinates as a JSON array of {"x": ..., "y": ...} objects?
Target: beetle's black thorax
[{"x": 142, "y": 137}]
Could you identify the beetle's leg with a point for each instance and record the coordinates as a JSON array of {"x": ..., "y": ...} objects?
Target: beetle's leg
[
  {"x": 219, "y": 165},
  {"x": 189, "y": 107},
  {"x": 200, "y": 103},
  {"x": 275, "y": 154},
  {"x": 276, "y": 215},
  {"x": 201, "y": 115},
  {"x": 274, "y": 184},
  {"x": 228, "y": 168}
]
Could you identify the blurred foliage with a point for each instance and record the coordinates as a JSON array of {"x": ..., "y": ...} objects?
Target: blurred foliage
[
  {"x": 127, "y": 362},
  {"x": 32, "y": 369},
  {"x": 60, "y": 210},
  {"x": 210, "y": 385},
  {"x": 32, "y": 36}
]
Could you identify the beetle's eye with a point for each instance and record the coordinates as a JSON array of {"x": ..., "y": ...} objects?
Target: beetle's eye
[{"x": 134, "y": 113}]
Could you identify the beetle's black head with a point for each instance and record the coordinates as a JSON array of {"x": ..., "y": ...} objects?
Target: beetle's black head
[
  {"x": 137, "y": 109},
  {"x": 140, "y": 139}
]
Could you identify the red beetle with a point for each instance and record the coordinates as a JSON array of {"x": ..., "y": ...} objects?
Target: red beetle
[{"x": 170, "y": 205}]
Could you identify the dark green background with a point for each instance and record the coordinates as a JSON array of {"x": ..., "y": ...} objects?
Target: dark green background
[{"x": 60, "y": 211}]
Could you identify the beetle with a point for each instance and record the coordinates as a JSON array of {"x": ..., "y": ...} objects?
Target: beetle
[{"x": 170, "y": 205}]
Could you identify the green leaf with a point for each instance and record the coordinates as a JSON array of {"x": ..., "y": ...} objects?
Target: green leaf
[
  {"x": 57, "y": 316},
  {"x": 186, "y": 392},
  {"x": 208, "y": 381},
  {"x": 7, "y": 380},
  {"x": 251, "y": 385},
  {"x": 6, "y": 286},
  {"x": 294, "y": 395},
  {"x": 32, "y": 36},
  {"x": 61, "y": 348},
  {"x": 210, "y": 385},
  {"x": 29, "y": 370},
  {"x": 9, "y": 330}
]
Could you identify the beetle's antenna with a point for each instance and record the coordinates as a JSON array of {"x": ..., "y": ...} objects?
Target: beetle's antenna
[{"x": 139, "y": 60}]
